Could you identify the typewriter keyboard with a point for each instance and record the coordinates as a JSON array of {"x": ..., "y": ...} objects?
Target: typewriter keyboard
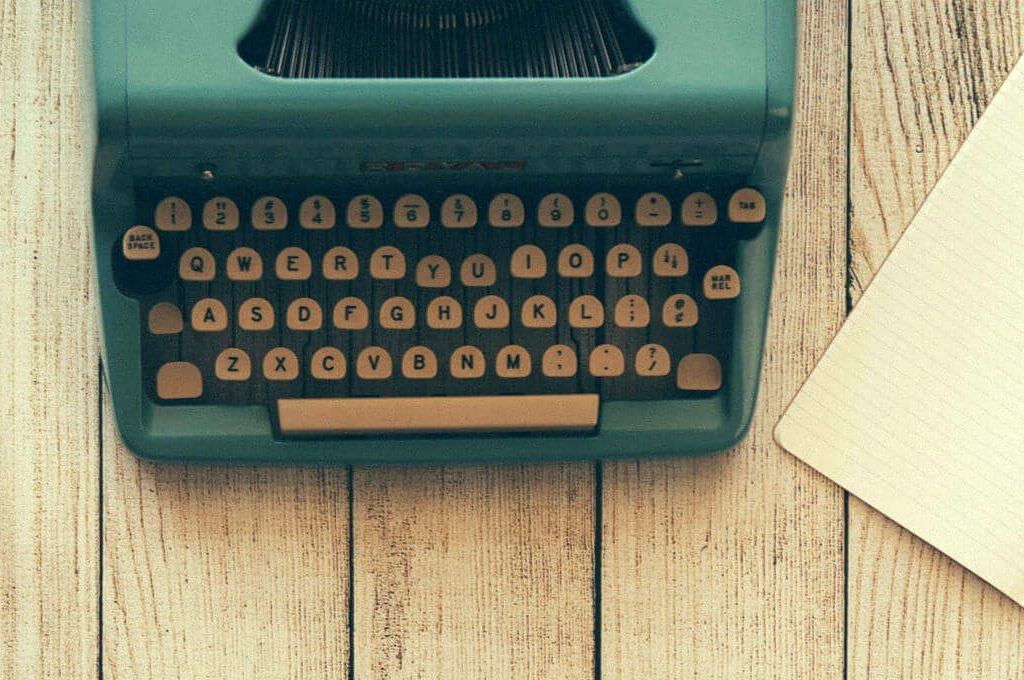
[{"x": 482, "y": 311}]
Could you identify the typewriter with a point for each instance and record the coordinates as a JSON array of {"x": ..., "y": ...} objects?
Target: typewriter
[{"x": 377, "y": 231}]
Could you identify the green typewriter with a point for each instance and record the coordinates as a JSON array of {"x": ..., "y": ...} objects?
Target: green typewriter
[{"x": 375, "y": 231}]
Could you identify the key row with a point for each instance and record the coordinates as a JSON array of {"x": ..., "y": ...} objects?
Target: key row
[
  {"x": 388, "y": 263},
  {"x": 697, "y": 372},
  {"x": 505, "y": 210},
  {"x": 433, "y": 271},
  {"x": 210, "y": 315}
]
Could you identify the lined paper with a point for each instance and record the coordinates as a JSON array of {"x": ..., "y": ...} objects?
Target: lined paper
[{"x": 917, "y": 407}]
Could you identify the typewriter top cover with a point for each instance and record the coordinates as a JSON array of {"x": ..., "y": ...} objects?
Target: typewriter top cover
[{"x": 619, "y": 163}]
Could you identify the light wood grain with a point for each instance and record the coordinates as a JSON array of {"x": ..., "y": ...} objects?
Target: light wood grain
[
  {"x": 732, "y": 567},
  {"x": 223, "y": 572},
  {"x": 49, "y": 393},
  {"x": 922, "y": 74},
  {"x": 474, "y": 572}
]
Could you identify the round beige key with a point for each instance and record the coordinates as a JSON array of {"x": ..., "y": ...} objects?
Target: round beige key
[
  {"x": 699, "y": 210},
  {"x": 328, "y": 363},
  {"x": 632, "y": 311},
  {"x": 397, "y": 314},
  {"x": 364, "y": 212},
  {"x": 317, "y": 212},
  {"x": 304, "y": 314},
  {"x": 140, "y": 243},
  {"x": 419, "y": 363},
  {"x": 680, "y": 311},
  {"x": 165, "y": 319},
  {"x": 433, "y": 271},
  {"x": 374, "y": 363},
  {"x": 478, "y": 271},
  {"x": 586, "y": 311},
  {"x": 560, "y": 361},
  {"x": 340, "y": 264},
  {"x": 513, "y": 361},
  {"x": 606, "y": 361},
  {"x": 387, "y": 263},
  {"x": 209, "y": 316},
  {"x": 256, "y": 314},
  {"x": 172, "y": 214},
  {"x": 220, "y": 214},
  {"x": 179, "y": 380},
  {"x": 197, "y": 264},
  {"x": 624, "y": 261},
  {"x": 653, "y": 361},
  {"x": 269, "y": 214},
  {"x": 671, "y": 260},
  {"x": 444, "y": 313},
  {"x": 653, "y": 210},
  {"x": 699, "y": 372},
  {"x": 721, "y": 283},
  {"x": 280, "y": 364},
  {"x": 491, "y": 311},
  {"x": 556, "y": 210},
  {"x": 412, "y": 212},
  {"x": 467, "y": 362},
  {"x": 244, "y": 264},
  {"x": 603, "y": 210},
  {"x": 747, "y": 206},
  {"x": 459, "y": 212},
  {"x": 293, "y": 264},
  {"x": 529, "y": 262},
  {"x": 351, "y": 314},
  {"x": 575, "y": 262},
  {"x": 233, "y": 365},
  {"x": 506, "y": 210},
  {"x": 539, "y": 311}
]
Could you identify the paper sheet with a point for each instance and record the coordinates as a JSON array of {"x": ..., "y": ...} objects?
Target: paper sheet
[{"x": 918, "y": 405}]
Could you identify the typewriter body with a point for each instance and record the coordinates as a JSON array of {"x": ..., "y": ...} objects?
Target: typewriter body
[{"x": 303, "y": 263}]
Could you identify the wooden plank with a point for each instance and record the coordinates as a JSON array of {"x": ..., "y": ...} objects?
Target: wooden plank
[
  {"x": 49, "y": 403},
  {"x": 217, "y": 572},
  {"x": 922, "y": 74},
  {"x": 474, "y": 572},
  {"x": 732, "y": 566}
]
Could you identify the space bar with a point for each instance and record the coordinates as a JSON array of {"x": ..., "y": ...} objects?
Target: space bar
[{"x": 435, "y": 415}]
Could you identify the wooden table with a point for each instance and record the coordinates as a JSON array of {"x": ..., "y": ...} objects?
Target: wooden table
[{"x": 744, "y": 565}]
